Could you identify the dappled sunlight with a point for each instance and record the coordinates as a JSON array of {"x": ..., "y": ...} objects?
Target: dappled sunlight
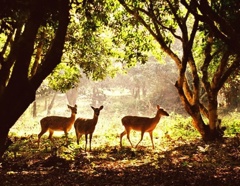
[
  {"x": 164, "y": 74},
  {"x": 179, "y": 151},
  {"x": 218, "y": 162}
]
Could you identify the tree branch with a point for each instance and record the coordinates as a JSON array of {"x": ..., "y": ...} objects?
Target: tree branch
[{"x": 53, "y": 57}]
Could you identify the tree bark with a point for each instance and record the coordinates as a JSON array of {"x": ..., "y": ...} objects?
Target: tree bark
[
  {"x": 72, "y": 96},
  {"x": 20, "y": 91},
  {"x": 50, "y": 106},
  {"x": 34, "y": 111},
  {"x": 11, "y": 109}
]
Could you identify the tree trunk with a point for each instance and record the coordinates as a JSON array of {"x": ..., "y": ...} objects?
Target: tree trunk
[
  {"x": 34, "y": 109},
  {"x": 94, "y": 93},
  {"x": 12, "y": 107},
  {"x": 72, "y": 96},
  {"x": 209, "y": 132},
  {"x": 50, "y": 106},
  {"x": 20, "y": 90}
]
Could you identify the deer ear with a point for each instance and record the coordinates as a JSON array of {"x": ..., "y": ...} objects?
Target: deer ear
[
  {"x": 158, "y": 107},
  {"x": 75, "y": 106},
  {"x": 92, "y": 107},
  {"x": 101, "y": 107}
]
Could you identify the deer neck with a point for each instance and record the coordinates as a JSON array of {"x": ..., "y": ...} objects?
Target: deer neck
[
  {"x": 95, "y": 118},
  {"x": 156, "y": 118},
  {"x": 73, "y": 116}
]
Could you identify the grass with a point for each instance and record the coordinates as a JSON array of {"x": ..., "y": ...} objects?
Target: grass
[
  {"x": 106, "y": 135},
  {"x": 179, "y": 153}
]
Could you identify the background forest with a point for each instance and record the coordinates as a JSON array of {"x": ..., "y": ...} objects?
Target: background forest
[
  {"x": 134, "y": 92},
  {"x": 178, "y": 146},
  {"x": 128, "y": 56}
]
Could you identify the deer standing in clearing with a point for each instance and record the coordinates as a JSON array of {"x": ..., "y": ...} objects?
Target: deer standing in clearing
[
  {"x": 57, "y": 123},
  {"x": 87, "y": 126},
  {"x": 142, "y": 124}
]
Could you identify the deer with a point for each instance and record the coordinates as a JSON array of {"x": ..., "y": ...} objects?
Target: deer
[
  {"x": 57, "y": 123},
  {"x": 87, "y": 126},
  {"x": 142, "y": 124}
]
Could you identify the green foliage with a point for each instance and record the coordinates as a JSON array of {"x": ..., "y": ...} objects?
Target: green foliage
[
  {"x": 101, "y": 35},
  {"x": 117, "y": 34},
  {"x": 231, "y": 121},
  {"x": 229, "y": 9},
  {"x": 89, "y": 44},
  {"x": 97, "y": 40},
  {"x": 179, "y": 126},
  {"x": 64, "y": 77}
]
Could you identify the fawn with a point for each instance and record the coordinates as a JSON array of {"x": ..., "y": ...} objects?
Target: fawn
[
  {"x": 57, "y": 123},
  {"x": 142, "y": 124},
  {"x": 87, "y": 126}
]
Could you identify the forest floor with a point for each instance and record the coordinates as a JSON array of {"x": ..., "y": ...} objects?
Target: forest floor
[{"x": 177, "y": 163}]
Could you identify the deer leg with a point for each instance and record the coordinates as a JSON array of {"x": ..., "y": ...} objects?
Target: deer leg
[
  {"x": 50, "y": 136},
  {"x": 121, "y": 135},
  {"x": 86, "y": 139},
  {"x": 78, "y": 135},
  {"x": 40, "y": 135},
  {"x": 150, "y": 133},
  {"x": 66, "y": 135},
  {"x": 142, "y": 133},
  {"x": 90, "y": 139},
  {"x": 128, "y": 137}
]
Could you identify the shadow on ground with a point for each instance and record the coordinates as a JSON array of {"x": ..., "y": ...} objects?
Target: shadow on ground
[{"x": 177, "y": 163}]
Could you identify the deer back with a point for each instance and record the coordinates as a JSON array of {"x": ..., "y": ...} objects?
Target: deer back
[
  {"x": 138, "y": 123},
  {"x": 59, "y": 122},
  {"x": 145, "y": 124}
]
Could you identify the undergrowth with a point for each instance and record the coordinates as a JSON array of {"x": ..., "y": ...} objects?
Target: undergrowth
[{"x": 106, "y": 135}]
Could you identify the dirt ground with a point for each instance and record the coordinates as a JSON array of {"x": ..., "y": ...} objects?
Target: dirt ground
[{"x": 187, "y": 163}]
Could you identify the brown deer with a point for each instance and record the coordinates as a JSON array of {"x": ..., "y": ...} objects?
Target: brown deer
[
  {"x": 142, "y": 124},
  {"x": 57, "y": 123},
  {"x": 87, "y": 126}
]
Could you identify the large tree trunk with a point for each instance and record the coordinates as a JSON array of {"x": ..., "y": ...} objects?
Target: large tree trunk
[
  {"x": 16, "y": 101},
  {"x": 213, "y": 129},
  {"x": 20, "y": 91},
  {"x": 18, "y": 94}
]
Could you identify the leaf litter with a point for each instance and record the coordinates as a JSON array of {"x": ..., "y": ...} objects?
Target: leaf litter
[{"x": 178, "y": 163}]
